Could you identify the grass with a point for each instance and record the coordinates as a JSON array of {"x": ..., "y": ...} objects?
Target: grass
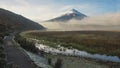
[
  {"x": 26, "y": 44},
  {"x": 102, "y": 42}
]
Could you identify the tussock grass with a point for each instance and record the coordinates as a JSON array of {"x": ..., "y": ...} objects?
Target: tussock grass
[{"x": 103, "y": 42}]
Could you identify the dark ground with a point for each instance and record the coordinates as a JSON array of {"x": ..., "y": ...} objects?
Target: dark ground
[{"x": 16, "y": 56}]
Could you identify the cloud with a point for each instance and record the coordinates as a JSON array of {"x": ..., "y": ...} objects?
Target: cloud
[
  {"x": 46, "y": 9},
  {"x": 39, "y": 9},
  {"x": 101, "y": 22},
  {"x": 106, "y": 20}
]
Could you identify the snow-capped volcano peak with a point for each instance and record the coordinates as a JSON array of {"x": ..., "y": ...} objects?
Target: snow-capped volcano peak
[
  {"x": 73, "y": 11},
  {"x": 71, "y": 14}
]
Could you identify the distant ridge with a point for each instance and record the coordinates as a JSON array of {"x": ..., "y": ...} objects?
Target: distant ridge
[
  {"x": 71, "y": 14},
  {"x": 17, "y": 22}
]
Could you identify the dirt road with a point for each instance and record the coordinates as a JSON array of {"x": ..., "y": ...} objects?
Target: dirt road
[{"x": 16, "y": 56}]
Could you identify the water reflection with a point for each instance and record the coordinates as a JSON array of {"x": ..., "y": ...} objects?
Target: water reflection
[{"x": 75, "y": 52}]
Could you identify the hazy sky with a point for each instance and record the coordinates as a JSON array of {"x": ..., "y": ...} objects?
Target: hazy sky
[{"x": 46, "y": 9}]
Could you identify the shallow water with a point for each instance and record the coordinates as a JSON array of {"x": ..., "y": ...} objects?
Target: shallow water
[
  {"x": 75, "y": 52},
  {"x": 39, "y": 60},
  {"x": 68, "y": 62}
]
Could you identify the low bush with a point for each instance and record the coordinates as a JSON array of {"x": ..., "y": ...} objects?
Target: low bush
[
  {"x": 27, "y": 45},
  {"x": 2, "y": 57},
  {"x": 58, "y": 63}
]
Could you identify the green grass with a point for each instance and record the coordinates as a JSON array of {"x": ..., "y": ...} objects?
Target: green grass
[{"x": 103, "y": 42}]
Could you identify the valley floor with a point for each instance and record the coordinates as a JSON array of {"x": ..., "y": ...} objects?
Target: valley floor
[{"x": 97, "y": 42}]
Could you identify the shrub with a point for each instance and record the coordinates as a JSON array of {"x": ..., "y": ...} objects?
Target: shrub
[
  {"x": 2, "y": 57},
  {"x": 27, "y": 45},
  {"x": 49, "y": 61},
  {"x": 58, "y": 63}
]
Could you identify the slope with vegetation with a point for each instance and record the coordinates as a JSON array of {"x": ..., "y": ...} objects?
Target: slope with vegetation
[
  {"x": 17, "y": 22},
  {"x": 12, "y": 23},
  {"x": 3, "y": 32}
]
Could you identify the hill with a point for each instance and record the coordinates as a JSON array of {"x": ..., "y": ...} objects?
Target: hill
[{"x": 17, "y": 22}]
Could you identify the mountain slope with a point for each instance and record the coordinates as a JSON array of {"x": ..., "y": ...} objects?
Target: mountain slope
[
  {"x": 17, "y": 22},
  {"x": 72, "y": 14}
]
